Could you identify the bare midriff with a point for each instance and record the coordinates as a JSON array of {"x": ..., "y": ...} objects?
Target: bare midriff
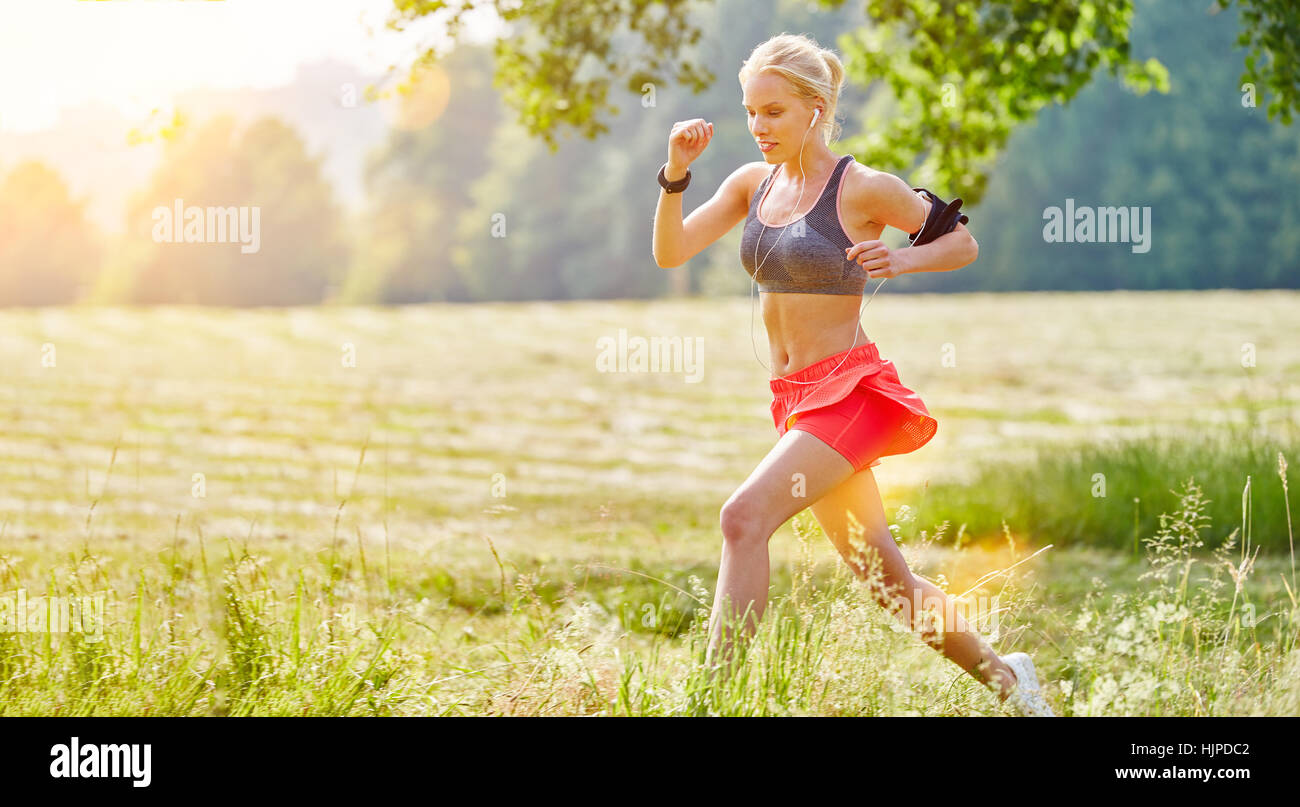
[{"x": 805, "y": 328}]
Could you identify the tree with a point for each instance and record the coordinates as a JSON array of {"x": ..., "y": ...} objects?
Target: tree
[
  {"x": 1221, "y": 181},
  {"x": 47, "y": 248},
  {"x": 265, "y": 175},
  {"x": 962, "y": 73},
  {"x": 420, "y": 179}
]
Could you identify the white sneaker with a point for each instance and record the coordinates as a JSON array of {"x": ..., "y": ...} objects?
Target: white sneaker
[{"x": 1026, "y": 697}]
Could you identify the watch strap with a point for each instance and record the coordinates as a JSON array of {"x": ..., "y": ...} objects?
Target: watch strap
[{"x": 673, "y": 186}]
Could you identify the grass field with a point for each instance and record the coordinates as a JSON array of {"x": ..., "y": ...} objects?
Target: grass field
[{"x": 453, "y": 510}]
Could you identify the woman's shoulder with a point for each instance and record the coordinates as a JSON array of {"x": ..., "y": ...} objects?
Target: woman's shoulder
[
  {"x": 879, "y": 196},
  {"x": 860, "y": 178},
  {"x": 755, "y": 172},
  {"x": 862, "y": 183}
]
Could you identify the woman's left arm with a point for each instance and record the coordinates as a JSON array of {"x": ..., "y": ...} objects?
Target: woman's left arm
[
  {"x": 947, "y": 252},
  {"x": 892, "y": 202}
]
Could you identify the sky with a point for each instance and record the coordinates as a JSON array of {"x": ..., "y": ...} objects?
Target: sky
[{"x": 135, "y": 54}]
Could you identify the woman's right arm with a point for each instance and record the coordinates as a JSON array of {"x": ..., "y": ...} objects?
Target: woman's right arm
[{"x": 677, "y": 241}]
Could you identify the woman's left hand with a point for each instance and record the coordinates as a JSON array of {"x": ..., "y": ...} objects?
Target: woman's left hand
[{"x": 876, "y": 259}]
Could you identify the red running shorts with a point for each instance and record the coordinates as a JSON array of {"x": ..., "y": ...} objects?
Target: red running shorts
[{"x": 861, "y": 409}]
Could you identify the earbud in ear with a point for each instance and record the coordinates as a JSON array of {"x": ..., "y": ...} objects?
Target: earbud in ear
[{"x": 817, "y": 113}]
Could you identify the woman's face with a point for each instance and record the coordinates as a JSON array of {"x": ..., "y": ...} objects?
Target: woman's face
[{"x": 776, "y": 116}]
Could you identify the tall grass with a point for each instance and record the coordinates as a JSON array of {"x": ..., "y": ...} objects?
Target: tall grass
[
  {"x": 1191, "y": 641},
  {"x": 1110, "y": 492},
  {"x": 1197, "y": 632}
]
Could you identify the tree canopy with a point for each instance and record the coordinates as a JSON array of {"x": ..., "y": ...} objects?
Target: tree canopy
[{"x": 962, "y": 73}]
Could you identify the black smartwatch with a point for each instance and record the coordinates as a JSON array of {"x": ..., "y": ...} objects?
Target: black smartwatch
[{"x": 673, "y": 187}]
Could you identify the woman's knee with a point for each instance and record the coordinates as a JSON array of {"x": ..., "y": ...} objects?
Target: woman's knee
[{"x": 741, "y": 522}]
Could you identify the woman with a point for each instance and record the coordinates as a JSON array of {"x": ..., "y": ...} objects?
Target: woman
[{"x": 836, "y": 405}]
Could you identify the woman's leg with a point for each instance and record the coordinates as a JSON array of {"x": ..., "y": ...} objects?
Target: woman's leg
[
  {"x": 859, "y": 496},
  {"x": 798, "y": 470}
]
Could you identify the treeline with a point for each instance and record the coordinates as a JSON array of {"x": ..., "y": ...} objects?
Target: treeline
[
  {"x": 469, "y": 208},
  {"x": 1222, "y": 182}
]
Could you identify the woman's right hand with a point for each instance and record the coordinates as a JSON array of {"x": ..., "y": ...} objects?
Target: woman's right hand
[{"x": 687, "y": 141}]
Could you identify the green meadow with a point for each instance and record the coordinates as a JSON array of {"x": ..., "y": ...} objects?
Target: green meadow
[{"x": 453, "y": 509}]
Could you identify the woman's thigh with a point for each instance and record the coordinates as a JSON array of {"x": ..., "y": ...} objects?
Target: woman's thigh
[
  {"x": 853, "y": 518},
  {"x": 798, "y": 470}
]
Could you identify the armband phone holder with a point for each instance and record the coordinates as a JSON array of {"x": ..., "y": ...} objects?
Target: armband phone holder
[{"x": 943, "y": 219}]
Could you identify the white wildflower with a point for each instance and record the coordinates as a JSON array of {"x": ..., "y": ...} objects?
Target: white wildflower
[
  {"x": 1165, "y": 612},
  {"x": 1105, "y": 691}
]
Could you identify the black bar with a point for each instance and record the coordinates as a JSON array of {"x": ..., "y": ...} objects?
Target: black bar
[{"x": 946, "y": 757}]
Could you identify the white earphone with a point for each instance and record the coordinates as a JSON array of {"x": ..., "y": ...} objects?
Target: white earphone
[{"x": 817, "y": 113}]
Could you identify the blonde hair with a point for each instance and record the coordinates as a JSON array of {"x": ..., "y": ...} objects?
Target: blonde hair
[{"x": 812, "y": 71}]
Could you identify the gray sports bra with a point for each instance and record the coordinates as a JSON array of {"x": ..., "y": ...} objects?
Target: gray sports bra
[{"x": 809, "y": 258}]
